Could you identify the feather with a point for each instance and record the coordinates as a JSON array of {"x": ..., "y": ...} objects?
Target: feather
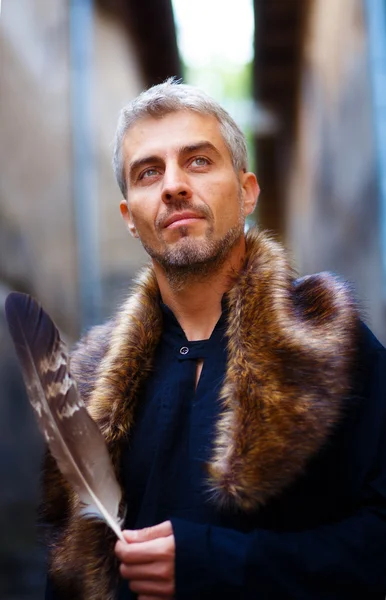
[{"x": 74, "y": 439}]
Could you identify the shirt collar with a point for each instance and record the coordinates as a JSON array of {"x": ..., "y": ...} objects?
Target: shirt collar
[{"x": 174, "y": 335}]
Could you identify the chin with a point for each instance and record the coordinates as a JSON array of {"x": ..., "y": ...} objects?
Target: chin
[{"x": 186, "y": 231}]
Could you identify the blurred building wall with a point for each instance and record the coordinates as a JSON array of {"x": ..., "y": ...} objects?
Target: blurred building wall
[
  {"x": 35, "y": 177},
  {"x": 332, "y": 199},
  {"x": 118, "y": 79},
  {"x": 39, "y": 248}
]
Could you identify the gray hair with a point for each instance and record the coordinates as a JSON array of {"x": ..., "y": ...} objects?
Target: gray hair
[{"x": 172, "y": 96}]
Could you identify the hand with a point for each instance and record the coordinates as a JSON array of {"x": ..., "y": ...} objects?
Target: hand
[{"x": 147, "y": 561}]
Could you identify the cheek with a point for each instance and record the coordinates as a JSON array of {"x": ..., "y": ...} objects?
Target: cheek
[
  {"x": 142, "y": 214},
  {"x": 228, "y": 204}
]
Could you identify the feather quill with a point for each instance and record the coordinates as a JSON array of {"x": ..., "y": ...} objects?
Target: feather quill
[{"x": 74, "y": 439}]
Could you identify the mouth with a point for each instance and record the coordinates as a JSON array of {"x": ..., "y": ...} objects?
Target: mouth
[{"x": 181, "y": 219}]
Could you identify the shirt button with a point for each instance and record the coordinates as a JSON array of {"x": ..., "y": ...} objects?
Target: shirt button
[{"x": 184, "y": 350}]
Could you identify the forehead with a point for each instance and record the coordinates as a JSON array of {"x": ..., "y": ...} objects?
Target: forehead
[{"x": 165, "y": 135}]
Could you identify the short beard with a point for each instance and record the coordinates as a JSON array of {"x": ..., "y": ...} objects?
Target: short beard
[{"x": 193, "y": 263}]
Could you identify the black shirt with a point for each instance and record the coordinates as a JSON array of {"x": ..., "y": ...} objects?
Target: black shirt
[{"x": 163, "y": 464}]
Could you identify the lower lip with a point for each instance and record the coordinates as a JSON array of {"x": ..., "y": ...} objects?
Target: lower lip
[{"x": 183, "y": 222}]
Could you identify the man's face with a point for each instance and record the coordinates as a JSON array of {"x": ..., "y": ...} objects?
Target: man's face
[{"x": 185, "y": 201}]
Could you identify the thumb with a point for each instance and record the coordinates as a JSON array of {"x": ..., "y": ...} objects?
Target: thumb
[{"x": 148, "y": 533}]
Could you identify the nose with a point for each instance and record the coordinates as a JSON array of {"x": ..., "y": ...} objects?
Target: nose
[{"x": 175, "y": 185}]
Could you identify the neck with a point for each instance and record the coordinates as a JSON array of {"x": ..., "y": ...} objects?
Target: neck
[{"x": 197, "y": 304}]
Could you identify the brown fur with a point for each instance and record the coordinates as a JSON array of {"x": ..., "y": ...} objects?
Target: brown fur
[{"x": 290, "y": 357}]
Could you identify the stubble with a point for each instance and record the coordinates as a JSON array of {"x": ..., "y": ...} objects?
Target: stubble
[{"x": 191, "y": 259}]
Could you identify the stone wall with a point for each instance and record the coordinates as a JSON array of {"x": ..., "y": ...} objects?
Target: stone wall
[
  {"x": 333, "y": 197},
  {"x": 38, "y": 247}
]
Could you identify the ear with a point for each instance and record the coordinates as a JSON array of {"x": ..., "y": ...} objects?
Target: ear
[
  {"x": 126, "y": 216},
  {"x": 250, "y": 191}
]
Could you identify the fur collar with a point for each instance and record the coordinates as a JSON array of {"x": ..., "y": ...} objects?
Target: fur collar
[{"x": 290, "y": 353}]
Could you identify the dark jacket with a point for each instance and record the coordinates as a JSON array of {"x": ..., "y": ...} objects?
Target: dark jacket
[{"x": 298, "y": 466}]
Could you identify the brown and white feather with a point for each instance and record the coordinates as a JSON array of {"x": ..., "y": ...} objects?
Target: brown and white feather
[{"x": 73, "y": 438}]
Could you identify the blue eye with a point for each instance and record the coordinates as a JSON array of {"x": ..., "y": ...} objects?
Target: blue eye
[
  {"x": 200, "y": 161},
  {"x": 149, "y": 173}
]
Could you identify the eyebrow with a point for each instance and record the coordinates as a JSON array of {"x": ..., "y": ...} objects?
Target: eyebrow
[
  {"x": 141, "y": 162},
  {"x": 203, "y": 146},
  {"x": 199, "y": 147}
]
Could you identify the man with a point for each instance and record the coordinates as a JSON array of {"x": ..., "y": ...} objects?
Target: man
[{"x": 244, "y": 410}]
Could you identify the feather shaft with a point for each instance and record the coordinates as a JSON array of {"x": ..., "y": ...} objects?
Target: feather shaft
[{"x": 73, "y": 437}]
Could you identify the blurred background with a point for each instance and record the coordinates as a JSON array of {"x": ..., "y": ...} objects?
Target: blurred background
[{"x": 305, "y": 79}]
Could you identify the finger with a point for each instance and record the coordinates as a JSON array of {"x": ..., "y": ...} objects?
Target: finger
[
  {"x": 146, "y": 597},
  {"x": 145, "y": 552},
  {"x": 152, "y": 588},
  {"x": 148, "y": 533},
  {"x": 142, "y": 597},
  {"x": 158, "y": 571}
]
